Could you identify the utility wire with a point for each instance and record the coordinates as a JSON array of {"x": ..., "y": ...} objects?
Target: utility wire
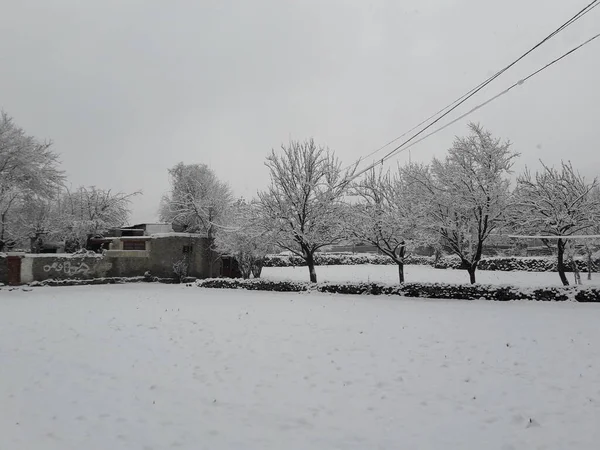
[
  {"x": 518, "y": 83},
  {"x": 456, "y": 103}
]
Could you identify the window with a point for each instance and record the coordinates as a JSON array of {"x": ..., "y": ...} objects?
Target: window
[
  {"x": 134, "y": 245},
  {"x": 187, "y": 249}
]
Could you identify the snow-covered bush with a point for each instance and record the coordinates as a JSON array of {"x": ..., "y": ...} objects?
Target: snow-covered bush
[
  {"x": 506, "y": 264},
  {"x": 180, "y": 269},
  {"x": 423, "y": 290},
  {"x": 254, "y": 284}
]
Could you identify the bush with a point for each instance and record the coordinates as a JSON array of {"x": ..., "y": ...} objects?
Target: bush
[
  {"x": 422, "y": 290},
  {"x": 506, "y": 264},
  {"x": 255, "y": 284}
]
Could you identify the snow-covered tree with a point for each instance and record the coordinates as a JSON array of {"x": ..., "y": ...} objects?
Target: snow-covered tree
[
  {"x": 557, "y": 202},
  {"x": 304, "y": 203},
  {"x": 28, "y": 169},
  {"x": 198, "y": 200},
  {"x": 37, "y": 221},
  {"x": 387, "y": 216},
  {"x": 71, "y": 217},
  {"x": 467, "y": 194},
  {"x": 590, "y": 247},
  {"x": 246, "y": 237},
  {"x": 90, "y": 211}
]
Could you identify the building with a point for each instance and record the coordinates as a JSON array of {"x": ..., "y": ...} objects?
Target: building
[{"x": 160, "y": 255}]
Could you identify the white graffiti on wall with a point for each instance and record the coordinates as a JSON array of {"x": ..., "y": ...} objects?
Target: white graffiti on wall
[{"x": 68, "y": 268}]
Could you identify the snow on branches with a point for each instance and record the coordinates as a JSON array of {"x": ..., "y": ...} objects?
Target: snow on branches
[
  {"x": 198, "y": 200},
  {"x": 28, "y": 170},
  {"x": 467, "y": 194},
  {"x": 304, "y": 203},
  {"x": 386, "y": 216},
  {"x": 557, "y": 202},
  {"x": 246, "y": 237}
]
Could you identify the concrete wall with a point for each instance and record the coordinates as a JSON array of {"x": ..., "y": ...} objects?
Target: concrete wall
[
  {"x": 168, "y": 250},
  {"x": 158, "y": 258},
  {"x": 62, "y": 267}
]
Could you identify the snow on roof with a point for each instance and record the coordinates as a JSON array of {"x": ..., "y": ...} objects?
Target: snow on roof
[
  {"x": 63, "y": 255},
  {"x": 174, "y": 234},
  {"x": 159, "y": 236}
]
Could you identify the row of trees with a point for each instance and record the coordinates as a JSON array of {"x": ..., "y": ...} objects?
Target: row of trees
[
  {"x": 36, "y": 206},
  {"x": 455, "y": 205}
]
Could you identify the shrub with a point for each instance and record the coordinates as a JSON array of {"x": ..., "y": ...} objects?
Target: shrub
[
  {"x": 506, "y": 264},
  {"x": 255, "y": 284},
  {"x": 422, "y": 290}
]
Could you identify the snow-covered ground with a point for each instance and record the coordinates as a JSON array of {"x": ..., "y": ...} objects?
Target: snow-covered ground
[
  {"x": 157, "y": 367},
  {"x": 389, "y": 274}
]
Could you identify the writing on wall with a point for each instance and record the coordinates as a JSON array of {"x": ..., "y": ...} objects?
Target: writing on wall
[{"x": 68, "y": 268}]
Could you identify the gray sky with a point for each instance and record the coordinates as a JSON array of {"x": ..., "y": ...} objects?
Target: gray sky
[{"x": 128, "y": 88}]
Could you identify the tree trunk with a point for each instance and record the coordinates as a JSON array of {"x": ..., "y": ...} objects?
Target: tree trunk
[
  {"x": 436, "y": 257},
  {"x": 210, "y": 254},
  {"x": 399, "y": 258},
  {"x": 257, "y": 267},
  {"x": 561, "y": 262},
  {"x": 400, "y": 272},
  {"x": 471, "y": 269},
  {"x": 310, "y": 262},
  {"x": 589, "y": 263},
  {"x": 575, "y": 269},
  {"x": 2, "y": 243}
]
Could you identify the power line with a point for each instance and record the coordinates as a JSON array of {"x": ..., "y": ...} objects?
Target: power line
[
  {"x": 518, "y": 83},
  {"x": 456, "y": 103}
]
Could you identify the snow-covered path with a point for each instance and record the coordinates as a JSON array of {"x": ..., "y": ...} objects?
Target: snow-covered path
[
  {"x": 389, "y": 274},
  {"x": 159, "y": 367}
]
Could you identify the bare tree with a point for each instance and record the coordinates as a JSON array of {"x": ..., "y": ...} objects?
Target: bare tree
[
  {"x": 28, "y": 168},
  {"x": 557, "y": 202},
  {"x": 467, "y": 194},
  {"x": 246, "y": 237},
  {"x": 304, "y": 204},
  {"x": 387, "y": 216}
]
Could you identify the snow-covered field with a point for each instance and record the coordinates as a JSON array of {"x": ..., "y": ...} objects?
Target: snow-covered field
[
  {"x": 389, "y": 274},
  {"x": 157, "y": 367}
]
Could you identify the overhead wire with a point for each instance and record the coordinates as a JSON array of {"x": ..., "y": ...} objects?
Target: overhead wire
[
  {"x": 518, "y": 83},
  {"x": 455, "y": 104}
]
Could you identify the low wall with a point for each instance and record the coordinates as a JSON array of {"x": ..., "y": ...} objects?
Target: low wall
[
  {"x": 81, "y": 267},
  {"x": 63, "y": 267},
  {"x": 158, "y": 258}
]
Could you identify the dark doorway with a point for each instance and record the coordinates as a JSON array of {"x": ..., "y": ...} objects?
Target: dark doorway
[{"x": 14, "y": 270}]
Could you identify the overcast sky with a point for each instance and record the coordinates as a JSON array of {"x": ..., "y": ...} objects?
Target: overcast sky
[{"x": 128, "y": 88}]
